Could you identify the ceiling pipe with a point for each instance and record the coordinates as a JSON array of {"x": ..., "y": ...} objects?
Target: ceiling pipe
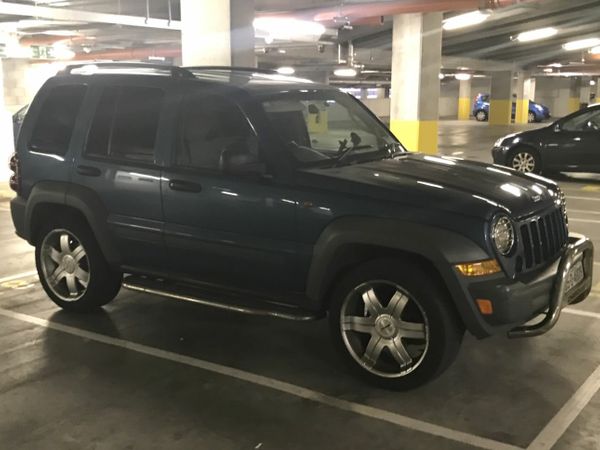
[{"x": 370, "y": 13}]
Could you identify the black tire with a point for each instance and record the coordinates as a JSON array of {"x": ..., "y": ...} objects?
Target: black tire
[
  {"x": 481, "y": 115},
  {"x": 427, "y": 300},
  {"x": 102, "y": 284},
  {"x": 518, "y": 156}
]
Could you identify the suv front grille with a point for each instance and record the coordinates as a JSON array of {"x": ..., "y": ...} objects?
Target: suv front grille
[{"x": 541, "y": 240}]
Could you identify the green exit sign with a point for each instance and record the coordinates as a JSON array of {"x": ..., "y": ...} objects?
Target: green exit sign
[{"x": 40, "y": 52}]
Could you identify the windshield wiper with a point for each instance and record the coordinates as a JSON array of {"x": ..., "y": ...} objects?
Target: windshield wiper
[{"x": 345, "y": 150}]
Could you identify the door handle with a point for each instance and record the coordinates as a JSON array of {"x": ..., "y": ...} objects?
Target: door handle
[
  {"x": 185, "y": 186},
  {"x": 89, "y": 171}
]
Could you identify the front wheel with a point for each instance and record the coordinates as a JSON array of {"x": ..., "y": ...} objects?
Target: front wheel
[
  {"x": 393, "y": 326},
  {"x": 481, "y": 115},
  {"x": 72, "y": 268},
  {"x": 531, "y": 117},
  {"x": 525, "y": 160}
]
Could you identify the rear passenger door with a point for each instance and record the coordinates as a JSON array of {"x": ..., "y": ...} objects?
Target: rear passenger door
[
  {"x": 233, "y": 230},
  {"x": 119, "y": 163}
]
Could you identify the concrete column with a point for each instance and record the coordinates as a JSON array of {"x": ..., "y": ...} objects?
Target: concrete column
[
  {"x": 501, "y": 98},
  {"x": 6, "y": 130},
  {"x": 522, "y": 102},
  {"x": 217, "y": 32},
  {"x": 573, "y": 100},
  {"x": 464, "y": 99},
  {"x": 416, "y": 62},
  {"x": 598, "y": 90},
  {"x": 585, "y": 90}
]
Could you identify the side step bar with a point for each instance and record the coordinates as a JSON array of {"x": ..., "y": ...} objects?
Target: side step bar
[{"x": 214, "y": 299}]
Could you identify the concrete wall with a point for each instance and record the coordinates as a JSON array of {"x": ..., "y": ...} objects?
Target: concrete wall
[{"x": 554, "y": 93}]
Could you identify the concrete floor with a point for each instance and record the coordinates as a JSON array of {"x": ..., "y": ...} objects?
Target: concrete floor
[{"x": 151, "y": 373}]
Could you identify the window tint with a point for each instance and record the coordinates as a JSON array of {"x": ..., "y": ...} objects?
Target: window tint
[
  {"x": 588, "y": 120},
  {"x": 54, "y": 127},
  {"x": 125, "y": 123},
  {"x": 211, "y": 124}
]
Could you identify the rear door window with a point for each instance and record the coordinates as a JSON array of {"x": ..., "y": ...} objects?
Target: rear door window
[
  {"x": 126, "y": 123},
  {"x": 54, "y": 125}
]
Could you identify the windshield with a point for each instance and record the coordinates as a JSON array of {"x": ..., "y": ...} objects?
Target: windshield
[{"x": 326, "y": 125}]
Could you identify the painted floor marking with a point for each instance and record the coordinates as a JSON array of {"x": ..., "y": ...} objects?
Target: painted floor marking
[
  {"x": 573, "y": 219},
  {"x": 17, "y": 276},
  {"x": 582, "y": 211},
  {"x": 274, "y": 384},
  {"x": 559, "y": 424},
  {"x": 574, "y": 197}
]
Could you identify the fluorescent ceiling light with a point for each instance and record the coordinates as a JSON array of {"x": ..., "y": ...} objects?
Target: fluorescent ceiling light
[
  {"x": 345, "y": 72},
  {"x": 547, "y": 69},
  {"x": 441, "y": 76},
  {"x": 595, "y": 50},
  {"x": 592, "y": 83},
  {"x": 462, "y": 76},
  {"x": 465, "y": 20},
  {"x": 286, "y": 70},
  {"x": 287, "y": 29},
  {"x": 581, "y": 44},
  {"x": 534, "y": 35},
  {"x": 555, "y": 65},
  {"x": 61, "y": 51}
]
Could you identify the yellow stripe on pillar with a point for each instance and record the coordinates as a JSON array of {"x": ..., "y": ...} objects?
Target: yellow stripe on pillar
[
  {"x": 522, "y": 111},
  {"x": 464, "y": 108},
  {"x": 500, "y": 112},
  {"x": 416, "y": 135},
  {"x": 573, "y": 104}
]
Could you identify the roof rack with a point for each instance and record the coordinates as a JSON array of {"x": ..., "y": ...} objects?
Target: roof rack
[
  {"x": 175, "y": 71},
  {"x": 231, "y": 68}
]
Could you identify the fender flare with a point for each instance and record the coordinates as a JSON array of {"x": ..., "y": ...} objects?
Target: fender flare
[{"x": 442, "y": 248}]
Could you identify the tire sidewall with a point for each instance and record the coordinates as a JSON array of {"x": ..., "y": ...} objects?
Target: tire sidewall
[{"x": 444, "y": 327}]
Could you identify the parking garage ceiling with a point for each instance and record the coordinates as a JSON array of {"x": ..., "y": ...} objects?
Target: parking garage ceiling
[{"x": 350, "y": 20}]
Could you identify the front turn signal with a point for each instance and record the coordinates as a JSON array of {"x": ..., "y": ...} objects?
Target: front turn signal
[{"x": 479, "y": 268}]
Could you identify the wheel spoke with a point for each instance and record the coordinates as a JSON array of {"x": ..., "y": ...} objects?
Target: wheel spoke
[
  {"x": 411, "y": 330},
  {"x": 399, "y": 352},
  {"x": 54, "y": 254},
  {"x": 71, "y": 285},
  {"x": 78, "y": 253},
  {"x": 358, "y": 324},
  {"x": 372, "y": 351},
  {"x": 397, "y": 304},
  {"x": 82, "y": 276},
  {"x": 58, "y": 274},
  {"x": 64, "y": 243},
  {"x": 372, "y": 303}
]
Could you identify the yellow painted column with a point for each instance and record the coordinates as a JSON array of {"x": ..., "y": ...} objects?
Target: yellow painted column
[
  {"x": 572, "y": 104},
  {"x": 464, "y": 100},
  {"x": 501, "y": 98},
  {"x": 415, "y": 90},
  {"x": 522, "y": 110}
]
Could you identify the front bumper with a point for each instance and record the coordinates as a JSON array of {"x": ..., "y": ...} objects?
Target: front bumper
[{"x": 579, "y": 249}]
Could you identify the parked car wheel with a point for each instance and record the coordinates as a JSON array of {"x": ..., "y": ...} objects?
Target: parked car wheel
[
  {"x": 531, "y": 117},
  {"x": 481, "y": 115},
  {"x": 525, "y": 160},
  {"x": 72, "y": 268},
  {"x": 393, "y": 326}
]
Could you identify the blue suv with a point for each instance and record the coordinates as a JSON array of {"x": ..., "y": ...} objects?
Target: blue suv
[
  {"x": 481, "y": 109},
  {"x": 257, "y": 193}
]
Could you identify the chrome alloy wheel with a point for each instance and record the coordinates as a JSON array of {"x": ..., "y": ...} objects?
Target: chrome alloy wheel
[
  {"x": 65, "y": 265},
  {"x": 523, "y": 162},
  {"x": 480, "y": 116},
  {"x": 388, "y": 340}
]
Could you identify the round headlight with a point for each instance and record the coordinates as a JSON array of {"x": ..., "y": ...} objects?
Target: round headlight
[{"x": 503, "y": 234}]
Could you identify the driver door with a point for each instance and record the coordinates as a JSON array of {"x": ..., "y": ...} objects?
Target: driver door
[
  {"x": 236, "y": 230},
  {"x": 575, "y": 144}
]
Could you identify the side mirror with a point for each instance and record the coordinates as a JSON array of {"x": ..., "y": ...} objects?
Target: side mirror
[
  {"x": 556, "y": 127},
  {"x": 239, "y": 159}
]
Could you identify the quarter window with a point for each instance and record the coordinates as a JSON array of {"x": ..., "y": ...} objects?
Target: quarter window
[
  {"x": 54, "y": 126},
  {"x": 125, "y": 123}
]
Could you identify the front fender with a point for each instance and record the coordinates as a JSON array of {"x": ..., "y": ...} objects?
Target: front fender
[{"x": 442, "y": 248}]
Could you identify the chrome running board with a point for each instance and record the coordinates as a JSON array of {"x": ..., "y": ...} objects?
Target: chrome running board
[{"x": 193, "y": 294}]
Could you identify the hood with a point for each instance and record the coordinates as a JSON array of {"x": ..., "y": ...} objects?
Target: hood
[{"x": 466, "y": 187}]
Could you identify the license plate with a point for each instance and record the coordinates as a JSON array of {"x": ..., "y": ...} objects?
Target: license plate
[{"x": 574, "y": 276}]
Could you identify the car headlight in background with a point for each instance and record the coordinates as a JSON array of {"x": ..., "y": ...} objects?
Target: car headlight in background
[{"x": 503, "y": 234}]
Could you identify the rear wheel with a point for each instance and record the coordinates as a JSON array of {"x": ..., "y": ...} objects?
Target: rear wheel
[
  {"x": 481, "y": 115},
  {"x": 525, "y": 160},
  {"x": 531, "y": 117},
  {"x": 393, "y": 326},
  {"x": 72, "y": 268}
]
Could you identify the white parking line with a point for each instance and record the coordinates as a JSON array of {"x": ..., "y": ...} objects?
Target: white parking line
[
  {"x": 574, "y": 197},
  {"x": 559, "y": 424},
  {"x": 582, "y": 211},
  {"x": 581, "y": 312},
  {"x": 274, "y": 384},
  {"x": 18, "y": 275}
]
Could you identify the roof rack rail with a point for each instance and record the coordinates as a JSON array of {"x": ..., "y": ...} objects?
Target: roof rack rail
[
  {"x": 231, "y": 68},
  {"x": 175, "y": 71}
]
